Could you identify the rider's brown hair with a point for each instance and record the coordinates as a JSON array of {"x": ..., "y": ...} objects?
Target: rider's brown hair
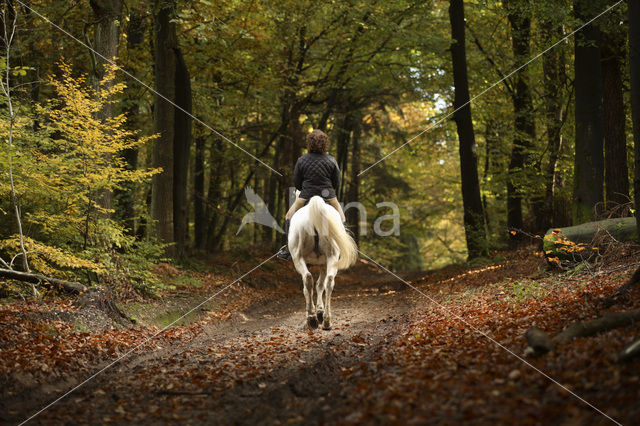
[{"x": 317, "y": 141}]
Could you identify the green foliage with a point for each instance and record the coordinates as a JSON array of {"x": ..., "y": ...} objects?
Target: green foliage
[
  {"x": 65, "y": 171},
  {"x": 263, "y": 73}
]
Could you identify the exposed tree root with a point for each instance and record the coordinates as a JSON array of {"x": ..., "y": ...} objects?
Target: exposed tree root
[
  {"x": 622, "y": 293},
  {"x": 103, "y": 300},
  {"x": 635, "y": 278},
  {"x": 541, "y": 343}
]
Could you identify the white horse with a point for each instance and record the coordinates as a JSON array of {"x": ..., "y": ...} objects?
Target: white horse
[{"x": 333, "y": 248}]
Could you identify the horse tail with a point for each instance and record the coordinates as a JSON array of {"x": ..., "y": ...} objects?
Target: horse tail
[{"x": 329, "y": 225}]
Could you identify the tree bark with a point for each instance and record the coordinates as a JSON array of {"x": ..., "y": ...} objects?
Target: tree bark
[
  {"x": 589, "y": 159},
  {"x": 124, "y": 197},
  {"x": 164, "y": 119},
  {"x": 616, "y": 173},
  {"x": 473, "y": 212},
  {"x": 181, "y": 149},
  {"x": 353, "y": 215},
  {"x": 634, "y": 66},
  {"x": 519, "y": 16},
  {"x": 553, "y": 63},
  {"x": 199, "y": 218},
  {"x": 107, "y": 14},
  {"x": 214, "y": 194},
  {"x": 343, "y": 131}
]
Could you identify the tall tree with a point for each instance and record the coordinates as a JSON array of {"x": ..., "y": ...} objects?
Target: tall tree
[
  {"x": 181, "y": 148},
  {"x": 616, "y": 173},
  {"x": 199, "y": 218},
  {"x": 107, "y": 15},
  {"x": 519, "y": 15},
  {"x": 124, "y": 198},
  {"x": 634, "y": 66},
  {"x": 353, "y": 215},
  {"x": 589, "y": 159},
  {"x": 473, "y": 213},
  {"x": 165, "y": 44},
  {"x": 553, "y": 63}
]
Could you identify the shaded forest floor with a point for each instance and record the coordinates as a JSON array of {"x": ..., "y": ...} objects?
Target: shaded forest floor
[{"x": 393, "y": 354}]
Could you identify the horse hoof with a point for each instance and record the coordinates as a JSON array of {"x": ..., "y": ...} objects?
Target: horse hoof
[
  {"x": 326, "y": 326},
  {"x": 312, "y": 322},
  {"x": 320, "y": 315}
]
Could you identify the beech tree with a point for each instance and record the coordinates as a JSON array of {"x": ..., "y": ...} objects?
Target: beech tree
[
  {"x": 473, "y": 214},
  {"x": 589, "y": 158}
]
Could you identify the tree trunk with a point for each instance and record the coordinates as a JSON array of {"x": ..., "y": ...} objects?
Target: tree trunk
[
  {"x": 491, "y": 164},
  {"x": 107, "y": 14},
  {"x": 199, "y": 217},
  {"x": 616, "y": 173},
  {"x": 164, "y": 120},
  {"x": 342, "y": 145},
  {"x": 181, "y": 149},
  {"x": 634, "y": 65},
  {"x": 353, "y": 214},
  {"x": 124, "y": 197},
  {"x": 473, "y": 213},
  {"x": 214, "y": 194},
  {"x": 525, "y": 130},
  {"x": 272, "y": 201},
  {"x": 553, "y": 63},
  {"x": 291, "y": 151},
  {"x": 589, "y": 159}
]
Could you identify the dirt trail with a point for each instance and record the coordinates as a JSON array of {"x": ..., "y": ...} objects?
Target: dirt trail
[
  {"x": 391, "y": 357},
  {"x": 261, "y": 366}
]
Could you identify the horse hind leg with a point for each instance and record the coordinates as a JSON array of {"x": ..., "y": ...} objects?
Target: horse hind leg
[
  {"x": 319, "y": 296},
  {"x": 307, "y": 289},
  {"x": 329, "y": 283},
  {"x": 312, "y": 321}
]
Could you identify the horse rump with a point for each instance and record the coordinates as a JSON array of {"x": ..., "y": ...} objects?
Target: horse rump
[{"x": 328, "y": 225}]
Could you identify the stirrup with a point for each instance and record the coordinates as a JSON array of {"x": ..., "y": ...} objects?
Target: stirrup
[{"x": 284, "y": 253}]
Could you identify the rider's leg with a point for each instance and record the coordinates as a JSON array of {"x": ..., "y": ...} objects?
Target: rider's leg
[
  {"x": 297, "y": 205},
  {"x": 336, "y": 205}
]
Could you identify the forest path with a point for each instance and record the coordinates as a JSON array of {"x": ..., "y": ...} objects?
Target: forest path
[
  {"x": 392, "y": 356},
  {"x": 260, "y": 366}
]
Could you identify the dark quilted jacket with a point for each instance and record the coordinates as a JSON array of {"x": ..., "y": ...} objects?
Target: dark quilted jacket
[{"x": 316, "y": 174}]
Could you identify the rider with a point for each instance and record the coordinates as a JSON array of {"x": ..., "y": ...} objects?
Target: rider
[{"x": 315, "y": 173}]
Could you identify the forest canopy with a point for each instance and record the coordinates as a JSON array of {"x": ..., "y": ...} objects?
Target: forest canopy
[{"x": 131, "y": 129}]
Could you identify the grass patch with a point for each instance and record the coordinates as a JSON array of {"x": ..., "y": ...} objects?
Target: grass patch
[{"x": 161, "y": 315}]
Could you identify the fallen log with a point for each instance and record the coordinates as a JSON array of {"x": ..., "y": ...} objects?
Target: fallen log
[
  {"x": 67, "y": 286},
  {"x": 541, "y": 343},
  {"x": 572, "y": 242}
]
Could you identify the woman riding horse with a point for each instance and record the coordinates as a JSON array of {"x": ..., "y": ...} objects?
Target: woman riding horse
[{"x": 315, "y": 173}]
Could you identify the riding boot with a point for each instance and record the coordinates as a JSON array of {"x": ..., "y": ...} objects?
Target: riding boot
[{"x": 284, "y": 251}]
